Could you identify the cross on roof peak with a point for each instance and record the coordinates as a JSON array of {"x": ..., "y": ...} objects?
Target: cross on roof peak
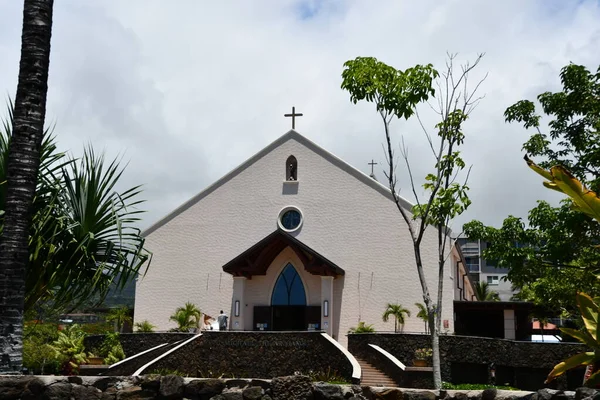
[{"x": 293, "y": 115}]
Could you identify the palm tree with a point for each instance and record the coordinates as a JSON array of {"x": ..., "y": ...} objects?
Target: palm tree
[
  {"x": 83, "y": 238},
  {"x": 144, "y": 327},
  {"x": 187, "y": 317},
  {"x": 398, "y": 312},
  {"x": 121, "y": 316},
  {"x": 483, "y": 292},
  {"x": 22, "y": 171},
  {"x": 423, "y": 315}
]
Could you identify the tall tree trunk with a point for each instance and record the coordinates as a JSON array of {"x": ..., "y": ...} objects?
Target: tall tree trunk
[{"x": 23, "y": 165}]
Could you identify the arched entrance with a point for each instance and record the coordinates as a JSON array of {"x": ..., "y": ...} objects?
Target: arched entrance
[{"x": 288, "y": 301}]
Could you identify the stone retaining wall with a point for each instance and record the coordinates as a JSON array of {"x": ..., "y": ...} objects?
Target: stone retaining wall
[
  {"x": 134, "y": 343},
  {"x": 257, "y": 355},
  {"x": 466, "y": 359},
  {"x": 285, "y": 388}
]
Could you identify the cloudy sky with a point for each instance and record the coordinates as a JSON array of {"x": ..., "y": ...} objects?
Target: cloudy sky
[{"x": 187, "y": 90}]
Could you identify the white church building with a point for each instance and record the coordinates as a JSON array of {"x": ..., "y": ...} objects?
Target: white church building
[{"x": 292, "y": 239}]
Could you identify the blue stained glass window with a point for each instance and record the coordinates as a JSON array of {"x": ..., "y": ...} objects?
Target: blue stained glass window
[
  {"x": 289, "y": 290},
  {"x": 291, "y": 219}
]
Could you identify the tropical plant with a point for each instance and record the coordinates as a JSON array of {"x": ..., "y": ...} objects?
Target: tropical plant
[
  {"x": 551, "y": 255},
  {"x": 362, "y": 328},
  {"x": 69, "y": 348},
  {"x": 22, "y": 171},
  {"x": 484, "y": 293},
  {"x": 423, "y": 315},
  {"x": 590, "y": 313},
  {"x": 329, "y": 376},
  {"x": 83, "y": 240},
  {"x": 144, "y": 326},
  {"x": 120, "y": 316},
  {"x": 423, "y": 353},
  {"x": 187, "y": 317},
  {"x": 396, "y": 94},
  {"x": 398, "y": 312},
  {"x": 111, "y": 349}
]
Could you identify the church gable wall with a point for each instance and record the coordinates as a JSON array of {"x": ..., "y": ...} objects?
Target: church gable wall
[{"x": 352, "y": 224}]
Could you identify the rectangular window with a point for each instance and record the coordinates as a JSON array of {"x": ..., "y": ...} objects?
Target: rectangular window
[
  {"x": 493, "y": 280},
  {"x": 472, "y": 264}
]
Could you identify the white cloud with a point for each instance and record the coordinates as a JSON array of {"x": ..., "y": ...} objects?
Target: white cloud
[{"x": 187, "y": 90}]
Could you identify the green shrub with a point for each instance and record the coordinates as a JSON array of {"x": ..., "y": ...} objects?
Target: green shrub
[
  {"x": 38, "y": 356},
  {"x": 328, "y": 376},
  {"x": 111, "y": 349},
  {"x": 362, "y": 328},
  {"x": 97, "y": 328}
]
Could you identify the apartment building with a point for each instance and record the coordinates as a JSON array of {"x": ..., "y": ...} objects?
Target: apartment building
[{"x": 482, "y": 270}]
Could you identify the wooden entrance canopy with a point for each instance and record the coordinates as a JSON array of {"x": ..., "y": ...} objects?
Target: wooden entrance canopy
[{"x": 256, "y": 260}]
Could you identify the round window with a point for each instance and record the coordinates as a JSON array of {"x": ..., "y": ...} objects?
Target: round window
[{"x": 290, "y": 219}]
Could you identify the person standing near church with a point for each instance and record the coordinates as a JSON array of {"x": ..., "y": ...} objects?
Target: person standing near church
[{"x": 222, "y": 319}]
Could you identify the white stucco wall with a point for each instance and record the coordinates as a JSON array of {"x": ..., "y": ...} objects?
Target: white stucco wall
[{"x": 349, "y": 222}]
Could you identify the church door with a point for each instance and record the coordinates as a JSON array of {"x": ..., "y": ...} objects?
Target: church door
[{"x": 288, "y": 301}]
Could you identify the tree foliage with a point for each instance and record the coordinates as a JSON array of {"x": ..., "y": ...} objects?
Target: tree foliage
[
  {"x": 553, "y": 254},
  {"x": 396, "y": 94},
  {"x": 83, "y": 238}
]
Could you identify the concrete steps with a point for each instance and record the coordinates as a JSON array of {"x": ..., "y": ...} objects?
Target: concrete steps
[{"x": 371, "y": 376}]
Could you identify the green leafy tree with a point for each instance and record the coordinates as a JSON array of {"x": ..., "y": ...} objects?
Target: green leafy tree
[
  {"x": 552, "y": 254},
  {"x": 83, "y": 239},
  {"x": 187, "y": 317},
  {"x": 362, "y": 327},
  {"x": 422, "y": 314},
  {"x": 120, "y": 316},
  {"x": 38, "y": 355},
  {"x": 484, "y": 293},
  {"x": 21, "y": 170},
  {"x": 144, "y": 326},
  {"x": 398, "y": 312},
  {"x": 396, "y": 94},
  {"x": 587, "y": 202}
]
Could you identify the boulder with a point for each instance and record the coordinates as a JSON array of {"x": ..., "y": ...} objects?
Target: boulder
[
  {"x": 171, "y": 387},
  {"x": 419, "y": 395},
  {"x": 586, "y": 393},
  {"x": 134, "y": 393},
  {"x": 489, "y": 394},
  {"x": 295, "y": 387},
  {"x": 150, "y": 383},
  {"x": 57, "y": 391},
  {"x": 79, "y": 392},
  {"x": 105, "y": 383},
  {"x": 326, "y": 391},
  {"x": 382, "y": 393},
  {"x": 232, "y": 395},
  {"x": 253, "y": 393},
  {"x": 204, "y": 389},
  {"x": 11, "y": 388}
]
